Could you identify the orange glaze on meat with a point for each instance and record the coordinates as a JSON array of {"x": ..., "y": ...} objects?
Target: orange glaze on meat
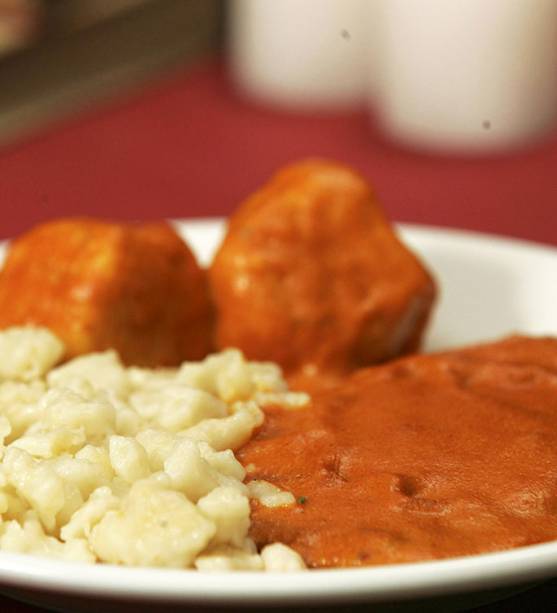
[
  {"x": 311, "y": 275},
  {"x": 98, "y": 285},
  {"x": 427, "y": 457}
]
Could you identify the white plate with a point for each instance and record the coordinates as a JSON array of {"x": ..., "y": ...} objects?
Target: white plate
[{"x": 490, "y": 287}]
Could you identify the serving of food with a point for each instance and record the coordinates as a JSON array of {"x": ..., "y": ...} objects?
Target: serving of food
[
  {"x": 270, "y": 412},
  {"x": 131, "y": 465}
]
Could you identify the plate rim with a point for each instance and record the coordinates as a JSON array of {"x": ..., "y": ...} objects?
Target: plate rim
[
  {"x": 404, "y": 581},
  {"x": 370, "y": 584},
  {"x": 423, "y": 230}
]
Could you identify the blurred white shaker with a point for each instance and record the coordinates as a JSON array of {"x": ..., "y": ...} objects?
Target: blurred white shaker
[
  {"x": 301, "y": 53},
  {"x": 467, "y": 74}
]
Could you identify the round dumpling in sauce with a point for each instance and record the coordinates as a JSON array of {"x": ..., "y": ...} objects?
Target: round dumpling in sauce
[
  {"x": 99, "y": 285},
  {"x": 311, "y": 275}
]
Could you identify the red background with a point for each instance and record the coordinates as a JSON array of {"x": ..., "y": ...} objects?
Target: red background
[{"x": 190, "y": 147}]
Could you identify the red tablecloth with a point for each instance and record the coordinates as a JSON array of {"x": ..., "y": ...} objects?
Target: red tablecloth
[{"x": 189, "y": 147}]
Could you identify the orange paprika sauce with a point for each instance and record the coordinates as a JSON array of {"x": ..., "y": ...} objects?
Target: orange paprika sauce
[{"x": 427, "y": 457}]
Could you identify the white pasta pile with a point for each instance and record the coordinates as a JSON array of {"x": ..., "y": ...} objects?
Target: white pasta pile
[{"x": 99, "y": 462}]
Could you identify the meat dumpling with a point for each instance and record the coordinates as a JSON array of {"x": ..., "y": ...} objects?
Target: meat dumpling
[
  {"x": 100, "y": 285},
  {"x": 311, "y": 275}
]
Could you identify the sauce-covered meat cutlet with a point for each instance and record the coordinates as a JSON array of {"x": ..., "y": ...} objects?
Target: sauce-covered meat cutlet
[
  {"x": 100, "y": 285},
  {"x": 427, "y": 457},
  {"x": 311, "y": 275}
]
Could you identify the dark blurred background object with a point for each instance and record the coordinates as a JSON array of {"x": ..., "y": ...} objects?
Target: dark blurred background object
[
  {"x": 58, "y": 55},
  {"x": 19, "y": 23}
]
